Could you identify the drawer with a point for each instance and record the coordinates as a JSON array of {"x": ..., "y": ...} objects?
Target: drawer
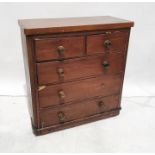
[
  {"x": 63, "y": 71},
  {"x": 59, "y": 48},
  {"x": 100, "y": 43},
  {"x": 79, "y": 90},
  {"x": 77, "y": 111}
]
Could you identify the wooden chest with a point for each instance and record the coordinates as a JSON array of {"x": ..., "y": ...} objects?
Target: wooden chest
[{"x": 74, "y": 69}]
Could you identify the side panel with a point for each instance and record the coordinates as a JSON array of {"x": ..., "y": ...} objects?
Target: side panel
[
  {"x": 30, "y": 74},
  {"x": 126, "y": 52}
]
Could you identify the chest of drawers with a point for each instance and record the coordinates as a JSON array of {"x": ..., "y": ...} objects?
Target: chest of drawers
[{"x": 74, "y": 69}]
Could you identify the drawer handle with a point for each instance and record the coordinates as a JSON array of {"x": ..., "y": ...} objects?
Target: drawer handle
[
  {"x": 60, "y": 72},
  {"x": 105, "y": 64},
  {"x": 107, "y": 43},
  {"x": 61, "y": 94},
  {"x": 61, "y": 50},
  {"x": 61, "y": 117}
]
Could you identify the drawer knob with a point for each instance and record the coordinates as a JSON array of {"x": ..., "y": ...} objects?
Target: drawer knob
[
  {"x": 61, "y": 94},
  {"x": 107, "y": 43},
  {"x": 105, "y": 64},
  {"x": 60, "y": 72},
  {"x": 61, "y": 50},
  {"x": 61, "y": 117}
]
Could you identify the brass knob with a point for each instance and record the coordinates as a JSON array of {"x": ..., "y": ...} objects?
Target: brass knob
[
  {"x": 105, "y": 64},
  {"x": 107, "y": 43},
  {"x": 61, "y": 94},
  {"x": 61, "y": 50},
  {"x": 60, "y": 72},
  {"x": 61, "y": 117}
]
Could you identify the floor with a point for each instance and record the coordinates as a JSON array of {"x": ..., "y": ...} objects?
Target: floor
[{"x": 132, "y": 131}]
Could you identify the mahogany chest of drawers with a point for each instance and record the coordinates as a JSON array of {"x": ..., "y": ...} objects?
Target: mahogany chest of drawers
[{"x": 74, "y": 69}]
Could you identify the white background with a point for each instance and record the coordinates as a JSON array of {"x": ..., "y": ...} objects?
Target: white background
[
  {"x": 140, "y": 71},
  {"x": 132, "y": 131}
]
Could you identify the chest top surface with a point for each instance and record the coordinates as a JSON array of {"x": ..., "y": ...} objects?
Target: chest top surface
[{"x": 58, "y": 25}]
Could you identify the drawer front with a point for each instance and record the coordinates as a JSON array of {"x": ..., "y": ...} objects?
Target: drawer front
[
  {"x": 79, "y": 90},
  {"x": 102, "y": 42},
  {"x": 80, "y": 110},
  {"x": 62, "y": 71},
  {"x": 59, "y": 48}
]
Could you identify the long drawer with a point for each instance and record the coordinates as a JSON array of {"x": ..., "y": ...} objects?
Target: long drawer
[
  {"x": 68, "y": 70},
  {"x": 79, "y": 90},
  {"x": 81, "y": 110}
]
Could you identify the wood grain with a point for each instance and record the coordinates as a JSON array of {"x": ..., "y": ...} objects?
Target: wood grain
[
  {"x": 92, "y": 68},
  {"x": 96, "y": 43},
  {"x": 80, "y": 90},
  {"x": 47, "y": 48},
  {"x": 78, "y": 111},
  {"x": 61, "y": 25},
  {"x": 80, "y": 68}
]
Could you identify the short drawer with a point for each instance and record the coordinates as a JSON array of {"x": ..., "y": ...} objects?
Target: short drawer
[
  {"x": 63, "y": 71},
  {"x": 59, "y": 48},
  {"x": 79, "y": 90},
  {"x": 115, "y": 41},
  {"x": 77, "y": 111}
]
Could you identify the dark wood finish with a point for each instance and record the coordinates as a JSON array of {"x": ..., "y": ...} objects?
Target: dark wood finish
[
  {"x": 80, "y": 90},
  {"x": 49, "y": 48},
  {"x": 60, "y": 25},
  {"x": 30, "y": 72},
  {"x": 50, "y": 72},
  {"x": 74, "y": 69},
  {"x": 83, "y": 109},
  {"x": 62, "y": 126},
  {"x": 115, "y": 41}
]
